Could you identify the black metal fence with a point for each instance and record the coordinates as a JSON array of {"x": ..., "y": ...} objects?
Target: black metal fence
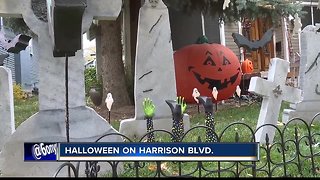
[{"x": 294, "y": 152}]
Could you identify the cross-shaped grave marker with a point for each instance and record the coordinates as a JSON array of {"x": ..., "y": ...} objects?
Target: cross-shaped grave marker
[
  {"x": 48, "y": 125},
  {"x": 15, "y": 45},
  {"x": 274, "y": 91}
]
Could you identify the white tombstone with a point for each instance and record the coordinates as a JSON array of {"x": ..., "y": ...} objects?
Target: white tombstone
[
  {"x": 48, "y": 125},
  {"x": 274, "y": 91},
  {"x": 308, "y": 77},
  {"x": 154, "y": 70},
  {"x": 7, "y": 126}
]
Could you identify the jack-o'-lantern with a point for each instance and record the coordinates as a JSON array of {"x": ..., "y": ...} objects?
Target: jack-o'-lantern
[
  {"x": 205, "y": 66},
  {"x": 247, "y": 66}
]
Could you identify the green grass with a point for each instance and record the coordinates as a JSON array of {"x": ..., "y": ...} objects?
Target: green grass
[
  {"x": 223, "y": 118},
  {"x": 23, "y": 109},
  {"x": 247, "y": 114}
]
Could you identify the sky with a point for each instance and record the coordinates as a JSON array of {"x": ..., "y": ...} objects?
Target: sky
[{"x": 87, "y": 43}]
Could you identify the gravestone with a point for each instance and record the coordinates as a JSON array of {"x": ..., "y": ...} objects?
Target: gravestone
[
  {"x": 48, "y": 125},
  {"x": 154, "y": 70},
  {"x": 308, "y": 77},
  {"x": 7, "y": 126},
  {"x": 15, "y": 45},
  {"x": 274, "y": 91}
]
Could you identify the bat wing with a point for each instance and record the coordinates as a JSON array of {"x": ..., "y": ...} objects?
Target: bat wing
[
  {"x": 242, "y": 41},
  {"x": 266, "y": 38},
  {"x": 19, "y": 43},
  {"x": 2, "y": 58}
]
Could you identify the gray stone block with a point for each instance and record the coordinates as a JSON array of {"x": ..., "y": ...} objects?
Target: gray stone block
[
  {"x": 155, "y": 73},
  {"x": 309, "y": 78},
  {"x": 6, "y": 105},
  {"x": 49, "y": 126}
]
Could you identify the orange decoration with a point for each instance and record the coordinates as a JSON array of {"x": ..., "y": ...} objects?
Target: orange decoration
[
  {"x": 204, "y": 66},
  {"x": 247, "y": 66}
]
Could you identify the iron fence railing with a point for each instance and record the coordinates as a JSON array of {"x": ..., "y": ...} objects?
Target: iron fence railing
[{"x": 295, "y": 152}]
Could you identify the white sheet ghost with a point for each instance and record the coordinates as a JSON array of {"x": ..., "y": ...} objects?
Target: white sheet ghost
[
  {"x": 215, "y": 93},
  {"x": 195, "y": 94},
  {"x": 226, "y": 4},
  {"x": 155, "y": 4},
  {"x": 109, "y": 101},
  {"x": 297, "y": 24}
]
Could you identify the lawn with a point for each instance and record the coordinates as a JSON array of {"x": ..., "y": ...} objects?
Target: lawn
[
  {"x": 25, "y": 108},
  {"x": 247, "y": 114},
  {"x": 244, "y": 114}
]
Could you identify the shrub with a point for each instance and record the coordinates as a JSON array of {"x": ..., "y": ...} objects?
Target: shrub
[
  {"x": 91, "y": 79},
  {"x": 18, "y": 93}
]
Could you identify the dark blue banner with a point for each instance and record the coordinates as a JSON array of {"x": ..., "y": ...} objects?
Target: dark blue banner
[
  {"x": 40, "y": 151},
  {"x": 159, "y": 151}
]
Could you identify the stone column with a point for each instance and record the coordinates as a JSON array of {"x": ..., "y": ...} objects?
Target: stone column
[
  {"x": 154, "y": 70},
  {"x": 48, "y": 125},
  {"x": 309, "y": 79},
  {"x": 6, "y": 106}
]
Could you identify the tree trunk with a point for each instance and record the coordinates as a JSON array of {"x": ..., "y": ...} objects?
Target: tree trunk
[
  {"x": 109, "y": 58},
  {"x": 134, "y": 7}
]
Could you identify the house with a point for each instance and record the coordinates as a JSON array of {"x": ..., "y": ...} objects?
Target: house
[
  {"x": 29, "y": 66},
  {"x": 285, "y": 44},
  {"x": 90, "y": 64},
  {"x": 24, "y": 66},
  {"x": 187, "y": 28}
]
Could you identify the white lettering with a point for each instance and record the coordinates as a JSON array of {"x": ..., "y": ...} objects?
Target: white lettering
[
  {"x": 161, "y": 150},
  {"x": 199, "y": 150},
  {"x": 74, "y": 151},
  {"x": 93, "y": 150},
  {"x": 67, "y": 150},
  {"x": 128, "y": 150},
  {"x": 90, "y": 150},
  {"x": 40, "y": 150},
  {"x": 142, "y": 150}
]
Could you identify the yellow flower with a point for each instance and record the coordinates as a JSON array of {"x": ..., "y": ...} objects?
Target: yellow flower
[
  {"x": 164, "y": 166},
  {"x": 152, "y": 167}
]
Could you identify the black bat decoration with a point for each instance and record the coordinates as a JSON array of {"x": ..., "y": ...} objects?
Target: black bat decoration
[
  {"x": 242, "y": 41},
  {"x": 17, "y": 44},
  {"x": 2, "y": 58}
]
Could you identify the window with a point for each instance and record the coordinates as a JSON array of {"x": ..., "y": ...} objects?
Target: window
[{"x": 314, "y": 13}]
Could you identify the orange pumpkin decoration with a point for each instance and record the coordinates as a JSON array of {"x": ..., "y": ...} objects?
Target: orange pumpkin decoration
[
  {"x": 247, "y": 66},
  {"x": 204, "y": 66}
]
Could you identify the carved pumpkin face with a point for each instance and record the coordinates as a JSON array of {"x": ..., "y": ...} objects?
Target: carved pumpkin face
[
  {"x": 247, "y": 66},
  {"x": 204, "y": 66}
]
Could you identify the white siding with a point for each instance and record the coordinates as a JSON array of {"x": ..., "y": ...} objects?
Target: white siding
[
  {"x": 9, "y": 62},
  {"x": 279, "y": 39},
  {"x": 229, "y": 28},
  {"x": 34, "y": 63}
]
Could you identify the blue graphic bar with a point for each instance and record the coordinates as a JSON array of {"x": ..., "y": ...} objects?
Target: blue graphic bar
[
  {"x": 141, "y": 151},
  {"x": 159, "y": 151},
  {"x": 40, "y": 151}
]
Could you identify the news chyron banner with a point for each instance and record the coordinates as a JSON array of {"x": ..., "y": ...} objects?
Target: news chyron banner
[{"x": 141, "y": 151}]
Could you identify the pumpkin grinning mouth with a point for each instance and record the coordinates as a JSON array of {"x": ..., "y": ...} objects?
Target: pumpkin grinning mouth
[{"x": 219, "y": 84}]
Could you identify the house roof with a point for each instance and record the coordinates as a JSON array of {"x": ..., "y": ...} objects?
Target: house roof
[
  {"x": 90, "y": 62},
  {"x": 310, "y": 0},
  {"x": 314, "y": 2}
]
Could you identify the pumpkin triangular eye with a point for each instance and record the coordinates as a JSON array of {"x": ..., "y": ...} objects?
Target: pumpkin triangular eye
[
  {"x": 225, "y": 61},
  {"x": 209, "y": 61}
]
